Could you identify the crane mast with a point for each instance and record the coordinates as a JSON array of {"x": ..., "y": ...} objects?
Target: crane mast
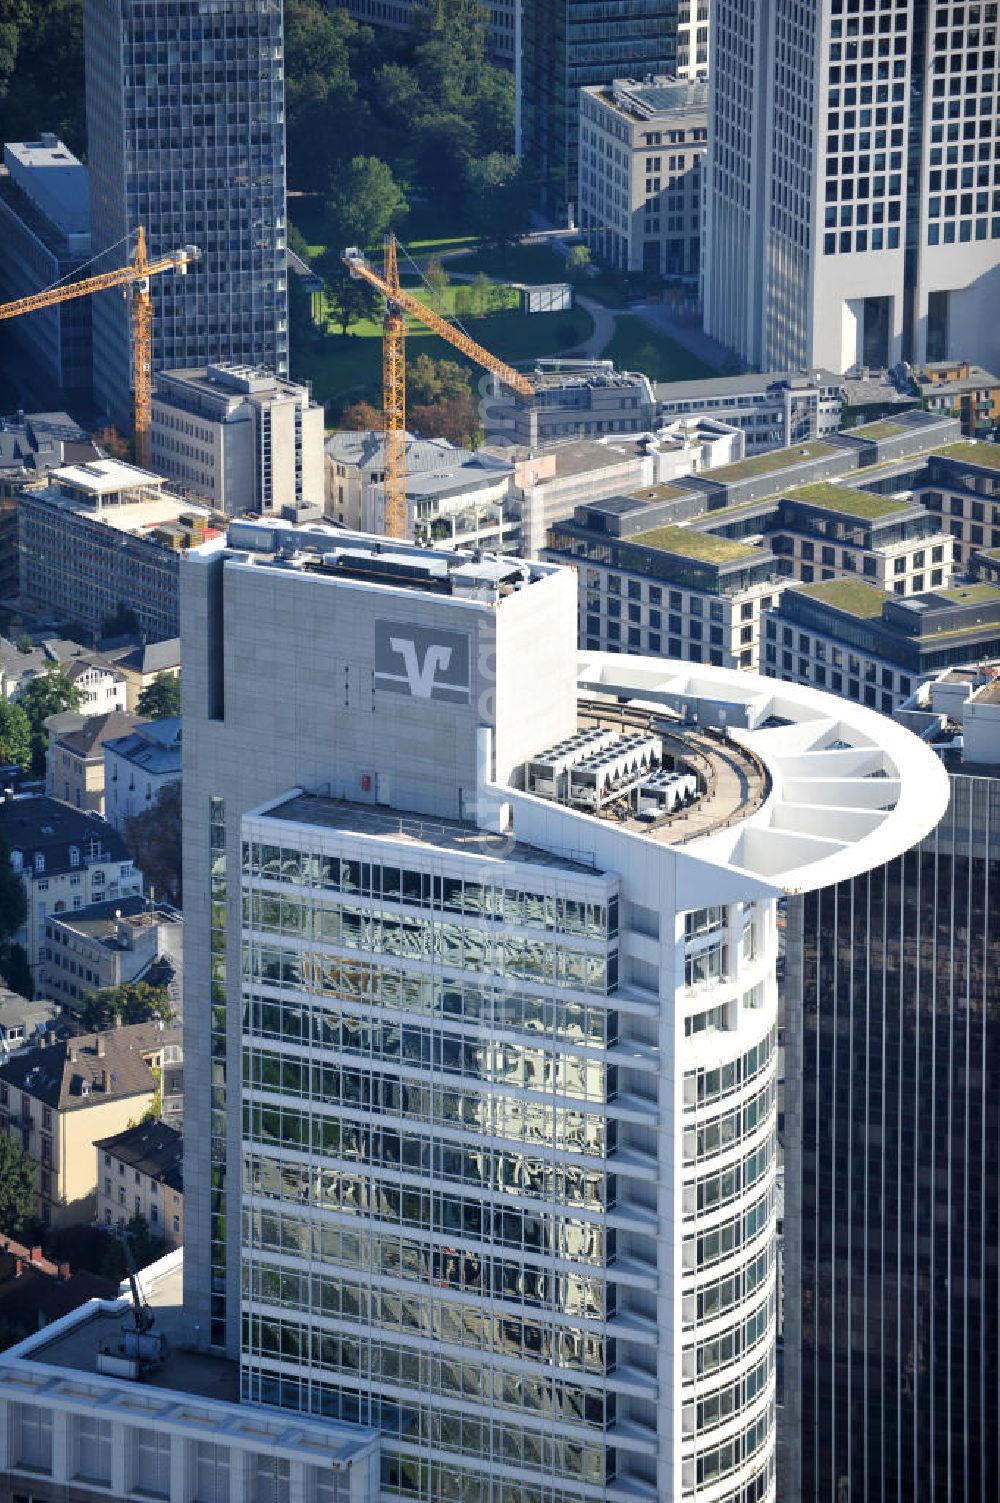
[
  {"x": 137, "y": 276},
  {"x": 398, "y": 302}
]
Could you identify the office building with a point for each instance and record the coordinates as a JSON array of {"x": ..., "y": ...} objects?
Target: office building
[
  {"x": 110, "y": 944},
  {"x": 892, "y": 1039},
  {"x": 491, "y": 946},
  {"x": 82, "y": 1417},
  {"x": 243, "y": 440},
  {"x": 45, "y": 237},
  {"x": 99, "y": 538},
  {"x": 641, "y": 151},
  {"x": 566, "y": 45},
  {"x": 850, "y": 217},
  {"x": 851, "y": 637},
  {"x": 773, "y": 410},
  {"x": 572, "y": 399},
  {"x": 186, "y": 136}
]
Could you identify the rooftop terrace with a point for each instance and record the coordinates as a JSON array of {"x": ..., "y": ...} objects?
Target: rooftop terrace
[
  {"x": 702, "y": 546},
  {"x": 850, "y": 595}
]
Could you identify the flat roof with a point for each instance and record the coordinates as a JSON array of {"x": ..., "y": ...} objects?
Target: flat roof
[
  {"x": 980, "y": 593},
  {"x": 657, "y": 96},
  {"x": 750, "y": 384},
  {"x": 773, "y": 460},
  {"x": 450, "y": 835},
  {"x": 100, "y": 477},
  {"x": 688, "y": 543},
  {"x": 850, "y": 595},
  {"x": 972, "y": 451},
  {"x": 854, "y": 503},
  {"x": 881, "y": 428}
]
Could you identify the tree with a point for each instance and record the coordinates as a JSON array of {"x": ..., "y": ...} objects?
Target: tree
[
  {"x": 112, "y": 442},
  {"x": 429, "y": 380},
  {"x": 135, "y": 1002},
  {"x": 349, "y": 298},
  {"x": 162, "y": 698},
  {"x": 499, "y": 198},
  {"x": 577, "y": 262},
  {"x": 321, "y": 95},
  {"x": 361, "y": 417},
  {"x": 15, "y": 734},
  {"x": 436, "y": 277},
  {"x": 153, "y": 839},
  {"x": 49, "y": 694},
  {"x": 13, "y": 899},
  {"x": 364, "y": 204},
  {"x": 456, "y": 419},
  {"x": 15, "y": 970},
  {"x": 17, "y": 1186}
]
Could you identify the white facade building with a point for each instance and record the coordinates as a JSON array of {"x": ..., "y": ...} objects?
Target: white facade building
[
  {"x": 851, "y": 213},
  {"x": 492, "y": 947},
  {"x": 137, "y": 768}
]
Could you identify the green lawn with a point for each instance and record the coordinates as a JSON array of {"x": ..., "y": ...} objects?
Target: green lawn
[
  {"x": 638, "y": 346},
  {"x": 515, "y": 263},
  {"x": 344, "y": 369}
]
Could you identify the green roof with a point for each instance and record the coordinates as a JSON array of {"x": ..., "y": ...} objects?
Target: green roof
[
  {"x": 882, "y": 428},
  {"x": 970, "y": 594},
  {"x": 689, "y": 544},
  {"x": 850, "y": 595},
  {"x": 661, "y": 492},
  {"x": 972, "y": 452},
  {"x": 776, "y": 459},
  {"x": 853, "y": 503}
]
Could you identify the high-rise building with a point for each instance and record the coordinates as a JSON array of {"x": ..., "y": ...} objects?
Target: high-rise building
[
  {"x": 186, "y": 136},
  {"x": 851, "y": 209},
  {"x": 893, "y": 1130},
  {"x": 481, "y": 1013},
  {"x": 566, "y": 44}
]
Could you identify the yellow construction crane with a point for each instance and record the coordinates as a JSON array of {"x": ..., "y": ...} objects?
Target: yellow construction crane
[
  {"x": 137, "y": 277},
  {"x": 398, "y": 302}
]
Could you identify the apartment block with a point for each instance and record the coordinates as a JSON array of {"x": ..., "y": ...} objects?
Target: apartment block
[
  {"x": 850, "y": 207},
  {"x": 101, "y": 536},
  {"x": 138, "y": 765},
  {"x": 45, "y": 218},
  {"x": 74, "y": 759},
  {"x": 964, "y": 390},
  {"x": 109, "y": 944},
  {"x": 140, "y": 1172},
  {"x": 186, "y": 136},
  {"x": 642, "y": 145},
  {"x": 241, "y": 439}
]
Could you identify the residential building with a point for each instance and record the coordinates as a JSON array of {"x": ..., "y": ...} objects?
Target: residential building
[
  {"x": 20, "y": 664},
  {"x": 66, "y": 859},
  {"x": 508, "y": 1012},
  {"x": 99, "y": 684},
  {"x": 34, "y": 1291},
  {"x": 186, "y": 136},
  {"x": 45, "y": 223},
  {"x": 773, "y": 410},
  {"x": 79, "y": 1416},
  {"x": 138, "y": 765},
  {"x": 110, "y": 944},
  {"x": 854, "y": 639},
  {"x": 892, "y": 1033},
  {"x": 502, "y": 34},
  {"x": 640, "y": 195},
  {"x": 238, "y": 437},
  {"x": 140, "y": 1173},
  {"x": 23, "y": 1023},
  {"x": 103, "y": 536},
  {"x": 849, "y": 218},
  {"x": 572, "y": 399},
  {"x": 966, "y": 391},
  {"x": 59, "y": 1098},
  {"x": 141, "y": 663},
  {"x": 74, "y": 760},
  {"x": 566, "y": 45}
]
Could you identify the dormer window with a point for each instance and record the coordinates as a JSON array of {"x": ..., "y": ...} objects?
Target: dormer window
[
  {"x": 74, "y": 855},
  {"x": 39, "y": 861}
]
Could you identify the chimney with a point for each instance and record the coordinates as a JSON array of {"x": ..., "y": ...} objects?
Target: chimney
[
  {"x": 64, "y": 1271},
  {"x": 36, "y": 1255},
  {"x": 100, "y": 1046},
  {"x": 50, "y": 1036},
  {"x": 18, "y": 1268},
  {"x": 104, "y": 1080},
  {"x": 72, "y": 1054}
]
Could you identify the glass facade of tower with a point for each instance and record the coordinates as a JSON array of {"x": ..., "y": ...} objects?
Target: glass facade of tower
[
  {"x": 186, "y": 136},
  {"x": 566, "y": 44},
  {"x": 900, "y": 1199}
]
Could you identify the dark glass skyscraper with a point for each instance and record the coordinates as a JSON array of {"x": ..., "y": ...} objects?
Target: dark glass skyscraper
[
  {"x": 186, "y": 136},
  {"x": 568, "y": 43},
  {"x": 892, "y": 1185}
]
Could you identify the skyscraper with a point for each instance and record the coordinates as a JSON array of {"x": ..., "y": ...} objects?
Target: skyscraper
[
  {"x": 892, "y": 1198},
  {"x": 853, "y": 183},
  {"x": 186, "y": 136},
  {"x": 568, "y": 43},
  {"x": 481, "y": 1013}
]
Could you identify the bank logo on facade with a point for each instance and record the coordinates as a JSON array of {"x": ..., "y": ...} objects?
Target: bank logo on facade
[{"x": 423, "y": 662}]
